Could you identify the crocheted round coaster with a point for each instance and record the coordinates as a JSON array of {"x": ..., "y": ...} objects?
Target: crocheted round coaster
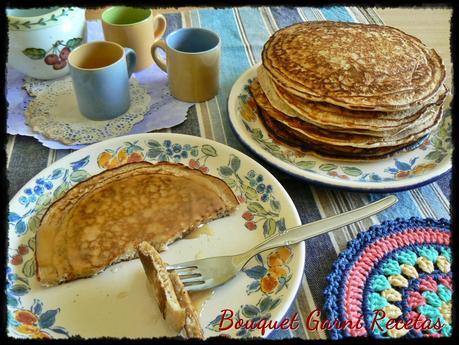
[{"x": 393, "y": 280}]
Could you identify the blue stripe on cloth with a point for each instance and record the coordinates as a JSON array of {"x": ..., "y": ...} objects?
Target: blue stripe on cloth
[
  {"x": 288, "y": 333},
  {"x": 27, "y": 159},
  {"x": 303, "y": 199},
  {"x": 194, "y": 18},
  {"x": 320, "y": 255},
  {"x": 405, "y": 208},
  {"x": 255, "y": 29},
  {"x": 217, "y": 121},
  {"x": 234, "y": 61},
  {"x": 431, "y": 199},
  {"x": 339, "y": 14},
  {"x": 174, "y": 22},
  {"x": 285, "y": 16},
  {"x": 190, "y": 126},
  {"x": 308, "y": 13},
  {"x": 445, "y": 185}
]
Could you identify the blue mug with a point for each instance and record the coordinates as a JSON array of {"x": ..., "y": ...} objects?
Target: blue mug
[{"x": 100, "y": 72}]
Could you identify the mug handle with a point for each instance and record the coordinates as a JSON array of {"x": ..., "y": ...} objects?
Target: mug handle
[
  {"x": 160, "y": 44},
  {"x": 160, "y": 22},
  {"x": 131, "y": 59}
]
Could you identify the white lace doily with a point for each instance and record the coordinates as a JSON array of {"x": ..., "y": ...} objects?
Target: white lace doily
[{"x": 54, "y": 113}]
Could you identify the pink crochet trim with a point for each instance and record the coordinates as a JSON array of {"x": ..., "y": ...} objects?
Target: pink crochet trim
[
  {"x": 361, "y": 269},
  {"x": 415, "y": 299},
  {"x": 447, "y": 282},
  {"x": 428, "y": 284}
]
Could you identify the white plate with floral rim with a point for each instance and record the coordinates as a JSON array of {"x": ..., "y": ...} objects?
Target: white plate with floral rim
[
  {"x": 404, "y": 170},
  {"x": 118, "y": 302}
]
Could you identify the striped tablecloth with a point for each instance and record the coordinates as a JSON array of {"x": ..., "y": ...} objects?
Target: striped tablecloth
[{"x": 243, "y": 32}]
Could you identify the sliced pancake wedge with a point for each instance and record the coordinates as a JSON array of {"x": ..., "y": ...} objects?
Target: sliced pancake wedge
[
  {"x": 352, "y": 65},
  {"x": 100, "y": 221},
  {"x": 192, "y": 325},
  {"x": 172, "y": 298},
  {"x": 162, "y": 286}
]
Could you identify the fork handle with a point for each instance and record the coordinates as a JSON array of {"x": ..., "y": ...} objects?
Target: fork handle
[{"x": 307, "y": 231}]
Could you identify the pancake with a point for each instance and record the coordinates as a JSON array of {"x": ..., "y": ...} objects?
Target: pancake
[
  {"x": 100, "y": 221},
  {"x": 173, "y": 300},
  {"x": 285, "y": 136},
  {"x": 355, "y": 66},
  {"x": 318, "y": 135},
  {"x": 192, "y": 325},
  {"x": 332, "y": 117},
  {"x": 162, "y": 286}
]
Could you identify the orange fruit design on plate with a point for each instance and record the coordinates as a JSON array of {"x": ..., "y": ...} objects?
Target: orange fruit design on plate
[
  {"x": 268, "y": 283},
  {"x": 402, "y": 174},
  {"x": 104, "y": 159},
  {"x": 26, "y": 317},
  {"x": 27, "y": 329},
  {"x": 34, "y": 331},
  {"x": 28, "y": 325},
  {"x": 41, "y": 335},
  {"x": 248, "y": 109},
  {"x": 135, "y": 157},
  {"x": 277, "y": 268},
  {"x": 421, "y": 168},
  {"x": 109, "y": 159}
]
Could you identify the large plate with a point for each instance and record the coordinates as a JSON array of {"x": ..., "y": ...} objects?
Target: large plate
[
  {"x": 402, "y": 171},
  {"x": 118, "y": 302}
]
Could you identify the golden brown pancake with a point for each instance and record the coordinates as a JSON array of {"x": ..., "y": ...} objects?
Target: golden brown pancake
[
  {"x": 100, "y": 221},
  {"x": 355, "y": 66},
  {"x": 339, "y": 119},
  {"x": 318, "y": 135},
  {"x": 284, "y": 135}
]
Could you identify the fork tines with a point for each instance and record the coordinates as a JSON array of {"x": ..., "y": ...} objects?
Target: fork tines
[{"x": 188, "y": 275}]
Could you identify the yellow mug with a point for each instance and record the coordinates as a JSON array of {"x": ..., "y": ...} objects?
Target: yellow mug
[
  {"x": 192, "y": 63},
  {"x": 135, "y": 28}
]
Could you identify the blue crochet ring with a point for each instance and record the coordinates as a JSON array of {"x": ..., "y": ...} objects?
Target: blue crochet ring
[{"x": 392, "y": 281}]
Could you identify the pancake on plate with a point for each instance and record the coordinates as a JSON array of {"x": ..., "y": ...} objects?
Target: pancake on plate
[
  {"x": 349, "y": 90},
  {"x": 102, "y": 220},
  {"x": 356, "y": 66}
]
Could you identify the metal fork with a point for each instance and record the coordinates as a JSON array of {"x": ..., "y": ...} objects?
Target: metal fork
[{"x": 207, "y": 273}]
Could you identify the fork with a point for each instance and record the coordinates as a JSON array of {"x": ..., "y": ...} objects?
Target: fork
[{"x": 202, "y": 274}]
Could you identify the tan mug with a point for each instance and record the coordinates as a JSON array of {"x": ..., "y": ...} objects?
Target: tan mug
[
  {"x": 135, "y": 28},
  {"x": 192, "y": 63}
]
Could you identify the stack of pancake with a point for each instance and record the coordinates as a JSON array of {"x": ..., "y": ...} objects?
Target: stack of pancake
[{"x": 349, "y": 91}]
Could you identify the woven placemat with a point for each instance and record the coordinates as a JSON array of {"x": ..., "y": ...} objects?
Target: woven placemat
[{"x": 392, "y": 281}]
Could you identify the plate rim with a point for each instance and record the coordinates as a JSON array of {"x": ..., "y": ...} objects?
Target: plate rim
[
  {"x": 300, "y": 247},
  {"x": 323, "y": 180}
]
